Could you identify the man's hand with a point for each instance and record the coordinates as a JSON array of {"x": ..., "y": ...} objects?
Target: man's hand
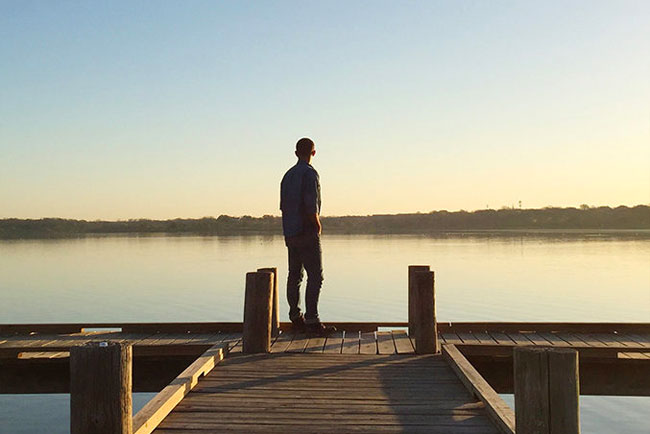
[{"x": 316, "y": 222}]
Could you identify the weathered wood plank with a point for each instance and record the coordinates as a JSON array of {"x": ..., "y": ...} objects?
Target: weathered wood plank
[
  {"x": 537, "y": 340},
  {"x": 349, "y": 393},
  {"x": 501, "y": 338},
  {"x": 609, "y": 339},
  {"x": 485, "y": 338},
  {"x": 334, "y": 343},
  {"x": 590, "y": 340},
  {"x": 385, "y": 344},
  {"x": 315, "y": 345},
  {"x": 638, "y": 356},
  {"x": 282, "y": 343},
  {"x": 500, "y": 413},
  {"x": 554, "y": 339},
  {"x": 468, "y": 338},
  {"x": 451, "y": 338},
  {"x": 214, "y": 327},
  {"x": 214, "y": 419},
  {"x": 519, "y": 338},
  {"x": 148, "y": 418},
  {"x": 625, "y": 340},
  {"x": 643, "y": 340},
  {"x": 305, "y": 427},
  {"x": 351, "y": 343},
  {"x": 368, "y": 343},
  {"x": 298, "y": 343},
  {"x": 403, "y": 343}
]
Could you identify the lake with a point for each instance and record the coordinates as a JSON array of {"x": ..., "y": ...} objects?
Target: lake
[{"x": 576, "y": 276}]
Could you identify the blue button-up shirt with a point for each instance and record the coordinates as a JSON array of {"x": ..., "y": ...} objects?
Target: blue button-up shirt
[{"x": 299, "y": 197}]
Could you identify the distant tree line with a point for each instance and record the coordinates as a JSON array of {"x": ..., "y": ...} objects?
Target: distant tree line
[{"x": 585, "y": 217}]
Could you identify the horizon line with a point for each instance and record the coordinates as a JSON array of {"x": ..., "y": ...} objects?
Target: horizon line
[{"x": 503, "y": 208}]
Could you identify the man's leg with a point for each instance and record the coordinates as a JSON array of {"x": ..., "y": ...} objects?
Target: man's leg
[
  {"x": 313, "y": 262},
  {"x": 293, "y": 282}
]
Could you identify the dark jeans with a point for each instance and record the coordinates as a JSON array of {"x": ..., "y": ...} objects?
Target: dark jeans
[{"x": 304, "y": 252}]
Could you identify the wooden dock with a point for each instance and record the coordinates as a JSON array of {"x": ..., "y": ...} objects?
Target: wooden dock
[
  {"x": 261, "y": 376},
  {"x": 614, "y": 357},
  {"x": 160, "y": 339},
  {"x": 322, "y": 393}
]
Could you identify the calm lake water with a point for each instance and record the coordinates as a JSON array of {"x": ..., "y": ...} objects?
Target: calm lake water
[{"x": 479, "y": 277}]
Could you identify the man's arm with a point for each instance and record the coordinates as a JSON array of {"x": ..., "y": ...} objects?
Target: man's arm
[
  {"x": 315, "y": 220},
  {"x": 310, "y": 197}
]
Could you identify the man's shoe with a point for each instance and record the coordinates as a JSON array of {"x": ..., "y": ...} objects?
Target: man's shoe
[
  {"x": 320, "y": 329},
  {"x": 298, "y": 324}
]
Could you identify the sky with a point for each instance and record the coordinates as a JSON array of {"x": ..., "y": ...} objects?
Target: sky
[{"x": 165, "y": 109}]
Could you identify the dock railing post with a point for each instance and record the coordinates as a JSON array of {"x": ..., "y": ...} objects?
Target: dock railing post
[
  {"x": 412, "y": 295},
  {"x": 275, "y": 314},
  {"x": 256, "y": 337},
  {"x": 100, "y": 388},
  {"x": 547, "y": 391},
  {"x": 426, "y": 329}
]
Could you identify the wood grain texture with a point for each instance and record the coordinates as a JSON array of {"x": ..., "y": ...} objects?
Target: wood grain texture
[
  {"x": 564, "y": 391},
  {"x": 426, "y": 333},
  {"x": 500, "y": 413},
  {"x": 148, "y": 418},
  {"x": 256, "y": 335},
  {"x": 412, "y": 296},
  {"x": 318, "y": 393},
  {"x": 531, "y": 391},
  {"x": 100, "y": 388},
  {"x": 403, "y": 343},
  {"x": 275, "y": 301},
  {"x": 642, "y": 329}
]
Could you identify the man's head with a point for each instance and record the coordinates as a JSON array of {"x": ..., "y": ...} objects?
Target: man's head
[{"x": 305, "y": 149}]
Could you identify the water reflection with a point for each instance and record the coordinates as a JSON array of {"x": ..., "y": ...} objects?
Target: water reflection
[
  {"x": 544, "y": 276},
  {"x": 541, "y": 276}
]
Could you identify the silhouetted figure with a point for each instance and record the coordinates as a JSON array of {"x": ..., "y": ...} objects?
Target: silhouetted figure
[{"x": 300, "y": 204}]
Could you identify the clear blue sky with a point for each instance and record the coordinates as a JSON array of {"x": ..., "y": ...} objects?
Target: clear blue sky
[{"x": 160, "y": 109}]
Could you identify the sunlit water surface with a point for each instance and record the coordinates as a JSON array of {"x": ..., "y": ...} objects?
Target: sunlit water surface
[{"x": 479, "y": 277}]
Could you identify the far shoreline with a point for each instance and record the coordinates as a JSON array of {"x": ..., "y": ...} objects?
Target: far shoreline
[
  {"x": 585, "y": 220},
  {"x": 455, "y": 233}
]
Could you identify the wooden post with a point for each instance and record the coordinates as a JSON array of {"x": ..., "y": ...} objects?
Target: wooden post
[
  {"x": 546, "y": 391},
  {"x": 412, "y": 294},
  {"x": 564, "y": 393},
  {"x": 426, "y": 329},
  {"x": 100, "y": 388},
  {"x": 257, "y": 312},
  {"x": 275, "y": 315}
]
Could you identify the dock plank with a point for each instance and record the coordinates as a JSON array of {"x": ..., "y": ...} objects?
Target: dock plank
[
  {"x": 451, "y": 338},
  {"x": 315, "y": 344},
  {"x": 368, "y": 343},
  {"x": 385, "y": 344},
  {"x": 643, "y": 341},
  {"x": 298, "y": 343},
  {"x": 501, "y": 338},
  {"x": 469, "y": 338},
  {"x": 319, "y": 393},
  {"x": 281, "y": 344},
  {"x": 334, "y": 343},
  {"x": 351, "y": 343},
  {"x": 403, "y": 343}
]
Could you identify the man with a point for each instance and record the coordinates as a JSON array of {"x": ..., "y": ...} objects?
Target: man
[{"x": 300, "y": 205}]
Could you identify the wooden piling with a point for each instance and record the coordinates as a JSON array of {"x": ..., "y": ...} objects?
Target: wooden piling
[
  {"x": 100, "y": 388},
  {"x": 256, "y": 336},
  {"x": 547, "y": 391},
  {"x": 426, "y": 330},
  {"x": 412, "y": 295},
  {"x": 564, "y": 391},
  {"x": 275, "y": 303}
]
